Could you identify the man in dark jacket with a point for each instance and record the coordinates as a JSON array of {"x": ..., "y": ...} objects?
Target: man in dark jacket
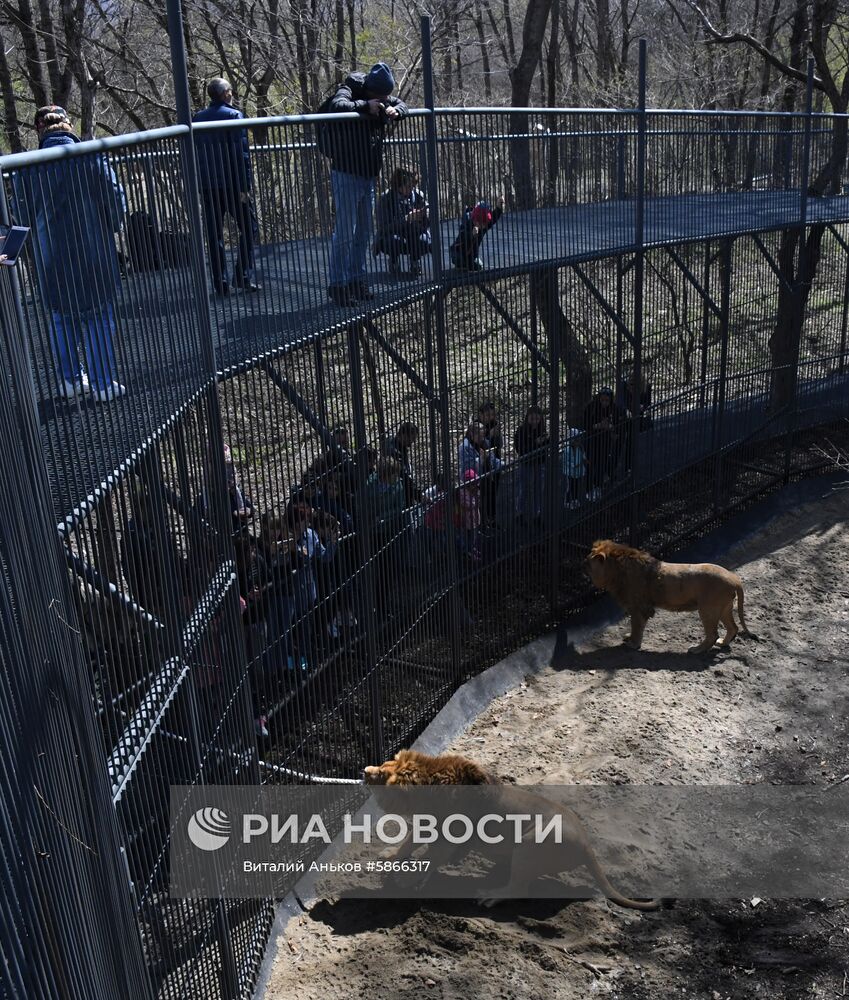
[
  {"x": 356, "y": 156},
  {"x": 75, "y": 206},
  {"x": 225, "y": 179}
]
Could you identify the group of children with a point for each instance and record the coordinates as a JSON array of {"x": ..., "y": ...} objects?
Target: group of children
[
  {"x": 403, "y": 227},
  {"x": 299, "y": 577}
]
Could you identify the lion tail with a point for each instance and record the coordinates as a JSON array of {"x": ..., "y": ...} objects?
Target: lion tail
[
  {"x": 613, "y": 894},
  {"x": 743, "y": 626}
]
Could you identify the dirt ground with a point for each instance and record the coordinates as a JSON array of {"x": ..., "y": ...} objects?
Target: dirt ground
[{"x": 775, "y": 710}]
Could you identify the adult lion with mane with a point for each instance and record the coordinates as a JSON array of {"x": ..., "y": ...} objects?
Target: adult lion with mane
[{"x": 641, "y": 584}]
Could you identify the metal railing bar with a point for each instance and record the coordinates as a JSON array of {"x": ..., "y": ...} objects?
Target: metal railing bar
[
  {"x": 14, "y": 161},
  {"x": 120, "y": 472}
]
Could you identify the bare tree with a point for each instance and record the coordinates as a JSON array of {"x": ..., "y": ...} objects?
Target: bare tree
[{"x": 799, "y": 251}]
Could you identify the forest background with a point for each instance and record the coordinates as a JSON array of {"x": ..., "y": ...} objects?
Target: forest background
[{"x": 108, "y": 61}]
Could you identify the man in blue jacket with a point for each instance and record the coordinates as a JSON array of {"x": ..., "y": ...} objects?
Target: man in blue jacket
[
  {"x": 225, "y": 178},
  {"x": 75, "y": 206},
  {"x": 356, "y": 156}
]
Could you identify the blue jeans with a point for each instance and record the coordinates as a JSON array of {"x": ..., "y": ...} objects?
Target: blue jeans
[
  {"x": 353, "y": 199},
  {"x": 93, "y": 330}
]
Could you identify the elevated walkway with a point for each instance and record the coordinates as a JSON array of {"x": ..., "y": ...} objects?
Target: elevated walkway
[{"x": 160, "y": 371}]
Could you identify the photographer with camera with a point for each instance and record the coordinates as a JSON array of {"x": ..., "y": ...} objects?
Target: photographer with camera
[{"x": 355, "y": 150}]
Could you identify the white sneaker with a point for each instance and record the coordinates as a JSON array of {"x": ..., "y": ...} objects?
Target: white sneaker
[
  {"x": 112, "y": 391},
  {"x": 68, "y": 389}
]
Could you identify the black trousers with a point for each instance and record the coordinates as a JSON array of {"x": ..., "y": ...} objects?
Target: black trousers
[
  {"x": 218, "y": 202},
  {"x": 408, "y": 241}
]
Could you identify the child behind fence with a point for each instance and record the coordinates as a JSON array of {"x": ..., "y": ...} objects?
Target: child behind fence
[
  {"x": 574, "y": 468},
  {"x": 467, "y": 515}
]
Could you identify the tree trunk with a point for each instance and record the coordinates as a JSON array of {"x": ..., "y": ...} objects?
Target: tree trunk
[
  {"x": 574, "y": 358},
  {"x": 339, "y": 51},
  {"x": 88, "y": 92},
  {"x": 508, "y": 28},
  {"x": 482, "y": 43},
  {"x": 604, "y": 43},
  {"x": 553, "y": 144},
  {"x": 25, "y": 23},
  {"x": 352, "y": 30},
  {"x": 48, "y": 40},
  {"x": 11, "y": 124},
  {"x": 521, "y": 81}
]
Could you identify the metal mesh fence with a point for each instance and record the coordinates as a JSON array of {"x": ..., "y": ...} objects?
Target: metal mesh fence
[{"x": 318, "y": 449}]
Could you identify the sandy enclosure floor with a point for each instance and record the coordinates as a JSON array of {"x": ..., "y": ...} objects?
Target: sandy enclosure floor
[{"x": 776, "y": 710}]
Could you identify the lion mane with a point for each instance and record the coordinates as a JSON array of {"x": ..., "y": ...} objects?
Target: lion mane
[
  {"x": 409, "y": 767},
  {"x": 634, "y": 577}
]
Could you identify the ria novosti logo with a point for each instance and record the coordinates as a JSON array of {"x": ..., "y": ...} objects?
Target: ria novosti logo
[{"x": 209, "y": 828}]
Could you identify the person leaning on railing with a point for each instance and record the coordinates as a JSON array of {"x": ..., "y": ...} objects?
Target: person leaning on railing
[
  {"x": 226, "y": 179},
  {"x": 356, "y": 157},
  {"x": 74, "y": 206}
]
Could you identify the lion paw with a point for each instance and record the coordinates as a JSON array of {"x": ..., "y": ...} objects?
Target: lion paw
[
  {"x": 631, "y": 642},
  {"x": 701, "y": 648}
]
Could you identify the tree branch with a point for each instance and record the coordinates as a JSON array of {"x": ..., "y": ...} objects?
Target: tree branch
[{"x": 718, "y": 38}]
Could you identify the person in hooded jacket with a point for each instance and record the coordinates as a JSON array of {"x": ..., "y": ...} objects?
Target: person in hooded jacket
[
  {"x": 74, "y": 206},
  {"x": 356, "y": 157}
]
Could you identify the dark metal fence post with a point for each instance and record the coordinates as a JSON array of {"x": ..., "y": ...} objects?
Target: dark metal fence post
[
  {"x": 534, "y": 306},
  {"x": 441, "y": 344},
  {"x": 218, "y": 499},
  {"x": 69, "y": 929},
  {"x": 725, "y": 333},
  {"x": 432, "y": 406},
  {"x": 844, "y": 320},
  {"x": 198, "y": 258},
  {"x": 705, "y": 345},
  {"x": 639, "y": 295},
  {"x": 367, "y": 595},
  {"x": 621, "y": 190},
  {"x": 553, "y": 485},
  {"x": 803, "y": 279}
]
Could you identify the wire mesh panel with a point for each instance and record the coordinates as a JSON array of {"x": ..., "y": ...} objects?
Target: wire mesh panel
[
  {"x": 119, "y": 339},
  {"x": 309, "y": 474}
]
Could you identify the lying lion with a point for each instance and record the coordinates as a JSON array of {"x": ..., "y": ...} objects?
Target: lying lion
[
  {"x": 409, "y": 767},
  {"x": 641, "y": 584}
]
